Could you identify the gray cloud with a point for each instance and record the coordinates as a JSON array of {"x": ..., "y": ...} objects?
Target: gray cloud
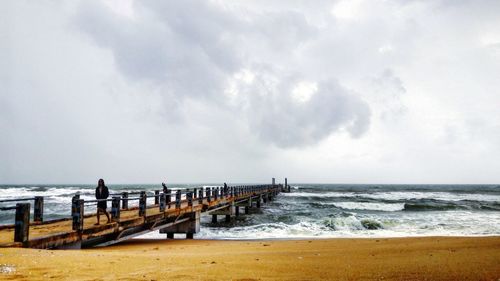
[
  {"x": 248, "y": 90},
  {"x": 191, "y": 49}
]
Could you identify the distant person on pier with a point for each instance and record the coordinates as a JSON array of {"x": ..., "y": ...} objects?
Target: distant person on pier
[
  {"x": 101, "y": 192},
  {"x": 165, "y": 188}
]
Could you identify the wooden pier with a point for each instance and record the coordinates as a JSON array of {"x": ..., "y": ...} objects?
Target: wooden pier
[{"x": 171, "y": 212}]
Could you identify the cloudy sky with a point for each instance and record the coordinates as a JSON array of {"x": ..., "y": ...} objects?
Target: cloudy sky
[{"x": 357, "y": 91}]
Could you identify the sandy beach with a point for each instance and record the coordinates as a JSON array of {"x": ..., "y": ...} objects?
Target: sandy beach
[{"x": 429, "y": 258}]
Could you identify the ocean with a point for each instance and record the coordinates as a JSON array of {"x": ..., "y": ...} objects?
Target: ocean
[{"x": 320, "y": 210}]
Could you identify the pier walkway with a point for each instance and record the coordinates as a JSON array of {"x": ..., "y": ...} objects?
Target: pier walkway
[{"x": 169, "y": 211}]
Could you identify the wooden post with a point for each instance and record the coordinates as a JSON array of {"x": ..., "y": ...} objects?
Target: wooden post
[
  {"x": 170, "y": 235},
  {"x": 22, "y": 225},
  {"x": 189, "y": 196},
  {"x": 214, "y": 218},
  {"x": 73, "y": 199},
  {"x": 77, "y": 213},
  {"x": 195, "y": 193},
  {"x": 178, "y": 199},
  {"x": 157, "y": 197},
  {"x": 38, "y": 212},
  {"x": 200, "y": 196},
  {"x": 125, "y": 200},
  {"x": 163, "y": 199},
  {"x": 258, "y": 201},
  {"x": 142, "y": 204},
  {"x": 216, "y": 192},
  {"x": 115, "y": 208},
  {"x": 168, "y": 198},
  {"x": 208, "y": 194},
  {"x": 228, "y": 218}
]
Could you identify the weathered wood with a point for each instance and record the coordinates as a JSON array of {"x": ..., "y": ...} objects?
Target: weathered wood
[
  {"x": 178, "y": 199},
  {"x": 124, "y": 200},
  {"x": 163, "y": 199},
  {"x": 115, "y": 208},
  {"x": 168, "y": 198},
  {"x": 189, "y": 197},
  {"x": 208, "y": 194},
  {"x": 200, "y": 196},
  {"x": 21, "y": 231},
  {"x": 77, "y": 213},
  {"x": 38, "y": 209},
  {"x": 214, "y": 218},
  {"x": 157, "y": 197},
  {"x": 142, "y": 204}
]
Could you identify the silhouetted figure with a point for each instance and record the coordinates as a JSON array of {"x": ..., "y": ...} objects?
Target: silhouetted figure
[
  {"x": 101, "y": 192},
  {"x": 165, "y": 188},
  {"x": 225, "y": 188}
]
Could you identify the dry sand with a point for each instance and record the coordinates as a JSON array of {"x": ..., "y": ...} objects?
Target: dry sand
[{"x": 430, "y": 258}]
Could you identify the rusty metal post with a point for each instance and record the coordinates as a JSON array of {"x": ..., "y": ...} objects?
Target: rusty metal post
[
  {"x": 77, "y": 213},
  {"x": 178, "y": 199},
  {"x": 142, "y": 204},
  {"x": 22, "y": 225},
  {"x": 162, "y": 202},
  {"x": 115, "y": 208},
  {"x": 38, "y": 209},
  {"x": 157, "y": 197},
  {"x": 124, "y": 200}
]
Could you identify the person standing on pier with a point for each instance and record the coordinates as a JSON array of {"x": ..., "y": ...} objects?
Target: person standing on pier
[
  {"x": 165, "y": 188},
  {"x": 102, "y": 192}
]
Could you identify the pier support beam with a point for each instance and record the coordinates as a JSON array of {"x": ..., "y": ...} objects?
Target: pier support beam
[
  {"x": 214, "y": 218},
  {"x": 189, "y": 227}
]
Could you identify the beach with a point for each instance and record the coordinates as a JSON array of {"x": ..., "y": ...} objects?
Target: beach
[{"x": 413, "y": 258}]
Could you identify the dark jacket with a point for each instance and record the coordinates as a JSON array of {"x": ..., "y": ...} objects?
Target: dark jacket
[{"x": 102, "y": 195}]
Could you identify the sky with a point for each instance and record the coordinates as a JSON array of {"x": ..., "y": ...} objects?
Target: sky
[{"x": 358, "y": 91}]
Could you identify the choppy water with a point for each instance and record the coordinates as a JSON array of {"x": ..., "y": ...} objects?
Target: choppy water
[{"x": 329, "y": 210}]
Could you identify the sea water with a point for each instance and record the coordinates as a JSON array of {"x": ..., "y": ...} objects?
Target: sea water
[{"x": 319, "y": 210}]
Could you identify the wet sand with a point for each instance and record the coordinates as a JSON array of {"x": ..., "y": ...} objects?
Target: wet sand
[{"x": 429, "y": 258}]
